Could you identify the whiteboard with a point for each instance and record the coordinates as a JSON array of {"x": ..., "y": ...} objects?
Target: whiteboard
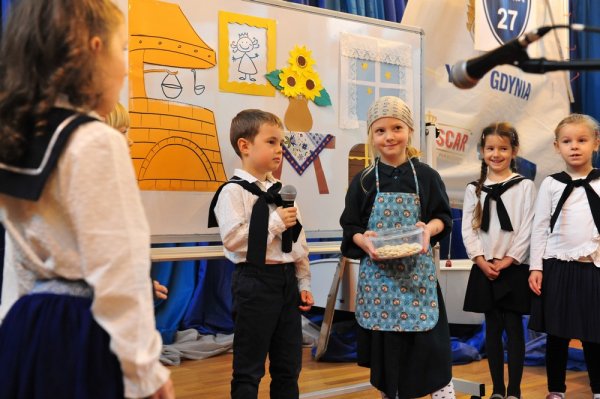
[{"x": 184, "y": 212}]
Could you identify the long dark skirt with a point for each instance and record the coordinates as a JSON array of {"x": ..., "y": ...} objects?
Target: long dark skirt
[
  {"x": 568, "y": 306},
  {"x": 51, "y": 347},
  {"x": 510, "y": 291},
  {"x": 409, "y": 364}
]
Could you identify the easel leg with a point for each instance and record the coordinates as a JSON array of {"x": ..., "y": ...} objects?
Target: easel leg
[{"x": 330, "y": 308}]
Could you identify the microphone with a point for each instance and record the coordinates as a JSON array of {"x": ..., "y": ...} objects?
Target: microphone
[
  {"x": 466, "y": 74},
  {"x": 288, "y": 195}
]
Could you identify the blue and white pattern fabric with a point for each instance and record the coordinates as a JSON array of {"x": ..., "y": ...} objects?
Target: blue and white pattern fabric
[{"x": 397, "y": 294}]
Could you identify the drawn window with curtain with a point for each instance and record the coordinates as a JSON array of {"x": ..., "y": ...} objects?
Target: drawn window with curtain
[{"x": 371, "y": 68}]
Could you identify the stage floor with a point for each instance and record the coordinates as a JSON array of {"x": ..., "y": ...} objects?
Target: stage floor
[{"x": 210, "y": 379}]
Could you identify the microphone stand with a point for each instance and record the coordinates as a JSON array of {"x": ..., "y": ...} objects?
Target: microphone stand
[{"x": 542, "y": 65}]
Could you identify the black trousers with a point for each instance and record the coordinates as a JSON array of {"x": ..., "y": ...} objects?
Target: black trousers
[
  {"x": 496, "y": 321},
  {"x": 267, "y": 321},
  {"x": 557, "y": 352}
]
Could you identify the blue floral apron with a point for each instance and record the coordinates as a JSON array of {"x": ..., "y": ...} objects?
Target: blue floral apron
[{"x": 397, "y": 294}]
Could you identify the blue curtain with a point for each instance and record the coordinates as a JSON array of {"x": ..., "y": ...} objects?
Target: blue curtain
[
  {"x": 181, "y": 280},
  {"x": 199, "y": 296},
  {"x": 210, "y": 308},
  {"x": 389, "y": 10},
  {"x": 4, "y": 6},
  {"x": 585, "y": 46}
]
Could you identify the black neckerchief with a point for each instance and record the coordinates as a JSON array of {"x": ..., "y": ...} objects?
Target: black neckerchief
[
  {"x": 26, "y": 177},
  {"x": 494, "y": 192},
  {"x": 259, "y": 220},
  {"x": 592, "y": 196}
]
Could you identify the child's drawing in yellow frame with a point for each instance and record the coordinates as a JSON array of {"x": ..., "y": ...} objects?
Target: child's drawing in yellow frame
[{"x": 246, "y": 53}]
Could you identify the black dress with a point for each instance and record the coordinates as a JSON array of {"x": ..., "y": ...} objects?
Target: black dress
[{"x": 407, "y": 364}]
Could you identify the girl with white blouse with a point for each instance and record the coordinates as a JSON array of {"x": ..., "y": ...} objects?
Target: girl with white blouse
[
  {"x": 496, "y": 226},
  {"x": 78, "y": 237},
  {"x": 565, "y": 255}
]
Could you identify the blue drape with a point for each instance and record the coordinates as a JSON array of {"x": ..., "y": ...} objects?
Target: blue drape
[
  {"x": 181, "y": 280},
  {"x": 585, "y": 46},
  {"x": 389, "y": 10},
  {"x": 210, "y": 308},
  {"x": 199, "y": 296},
  {"x": 4, "y": 6}
]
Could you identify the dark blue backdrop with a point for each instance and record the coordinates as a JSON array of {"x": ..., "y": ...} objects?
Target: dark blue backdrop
[
  {"x": 390, "y": 10},
  {"x": 585, "y": 46}
]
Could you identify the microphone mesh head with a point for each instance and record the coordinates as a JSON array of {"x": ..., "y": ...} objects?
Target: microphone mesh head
[
  {"x": 460, "y": 77},
  {"x": 288, "y": 193}
]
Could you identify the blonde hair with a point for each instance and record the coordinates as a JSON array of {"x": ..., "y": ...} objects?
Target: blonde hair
[
  {"x": 573, "y": 119},
  {"x": 118, "y": 117},
  {"x": 411, "y": 152}
]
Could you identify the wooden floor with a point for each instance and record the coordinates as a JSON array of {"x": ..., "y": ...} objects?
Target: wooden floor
[{"x": 209, "y": 378}]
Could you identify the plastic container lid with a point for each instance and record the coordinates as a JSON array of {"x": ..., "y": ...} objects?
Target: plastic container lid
[{"x": 398, "y": 243}]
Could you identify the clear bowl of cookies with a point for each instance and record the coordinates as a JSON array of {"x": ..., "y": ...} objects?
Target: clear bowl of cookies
[{"x": 398, "y": 243}]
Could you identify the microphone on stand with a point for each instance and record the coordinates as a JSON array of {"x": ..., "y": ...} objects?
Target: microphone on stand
[
  {"x": 466, "y": 74},
  {"x": 288, "y": 196}
]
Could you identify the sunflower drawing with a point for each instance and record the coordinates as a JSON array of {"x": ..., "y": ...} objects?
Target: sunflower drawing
[
  {"x": 299, "y": 79},
  {"x": 312, "y": 85},
  {"x": 291, "y": 82},
  {"x": 300, "y": 60}
]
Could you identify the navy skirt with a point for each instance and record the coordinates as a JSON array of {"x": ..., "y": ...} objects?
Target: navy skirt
[
  {"x": 408, "y": 364},
  {"x": 51, "y": 347},
  {"x": 509, "y": 292},
  {"x": 568, "y": 306}
]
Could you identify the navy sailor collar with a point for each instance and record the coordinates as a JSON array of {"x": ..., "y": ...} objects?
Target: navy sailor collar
[{"x": 26, "y": 177}]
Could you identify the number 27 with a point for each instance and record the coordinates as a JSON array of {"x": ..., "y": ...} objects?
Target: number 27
[{"x": 504, "y": 15}]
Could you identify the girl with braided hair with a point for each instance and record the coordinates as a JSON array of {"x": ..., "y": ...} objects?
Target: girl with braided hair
[{"x": 496, "y": 225}]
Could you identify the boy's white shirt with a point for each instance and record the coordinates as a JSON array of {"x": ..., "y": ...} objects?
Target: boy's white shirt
[
  {"x": 496, "y": 243},
  {"x": 574, "y": 236},
  {"x": 233, "y": 211},
  {"x": 90, "y": 224}
]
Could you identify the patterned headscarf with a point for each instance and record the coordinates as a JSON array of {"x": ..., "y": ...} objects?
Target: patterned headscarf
[{"x": 390, "y": 107}]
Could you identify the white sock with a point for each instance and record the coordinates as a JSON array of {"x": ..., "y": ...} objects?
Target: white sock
[
  {"x": 446, "y": 392},
  {"x": 597, "y": 396}
]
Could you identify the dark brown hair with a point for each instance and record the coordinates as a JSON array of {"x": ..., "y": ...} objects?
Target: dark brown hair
[
  {"x": 502, "y": 129},
  {"x": 45, "y": 52},
  {"x": 247, "y": 123}
]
